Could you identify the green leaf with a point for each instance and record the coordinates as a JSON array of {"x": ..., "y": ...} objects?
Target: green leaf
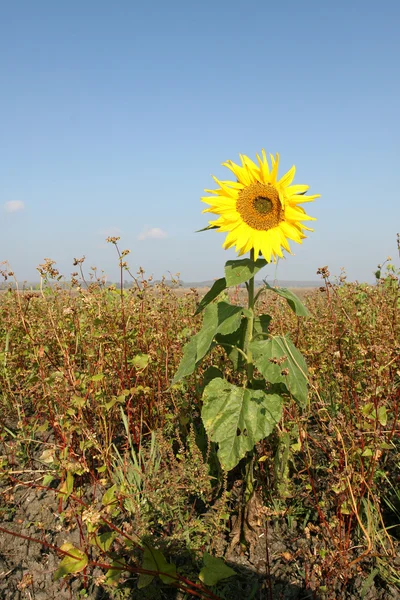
[
  {"x": 189, "y": 360},
  {"x": 67, "y": 487},
  {"x": 74, "y": 563},
  {"x": 109, "y": 496},
  {"x": 47, "y": 479},
  {"x": 140, "y": 361},
  {"x": 104, "y": 540},
  {"x": 214, "y": 570},
  {"x": 97, "y": 377},
  {"x": 237, "y": 418},
  {"x": 217, "y": 287},
  {"x": 121, "y": 399},
  {"x": 261, "y": 326},
  {"x": 235, "y": 339},
  {"x": 222, "y": 318},
  {"x": 154, "y": 560},
  {"x": 276, "y": 355},
  {"x": 114, "y": 573},
  {"x": 207, "y": 228},
  {"x": 294, "y": 302},
  {"x": 367, "y": 452},
  {"x": 239, "y": 271},
  {"x": 382, "y": 415},
  {"x": 211, "y": 373},
  {"x": 368, "y": 410},
  {"x": 78, "y": 401}
]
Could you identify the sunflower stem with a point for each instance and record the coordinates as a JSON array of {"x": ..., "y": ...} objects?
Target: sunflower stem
[
  {"x": 249, "y": 465},
  {"x": 250, "y": 326}
]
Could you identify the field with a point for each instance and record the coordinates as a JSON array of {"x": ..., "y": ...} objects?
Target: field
[{"x": 110, "y": 488}]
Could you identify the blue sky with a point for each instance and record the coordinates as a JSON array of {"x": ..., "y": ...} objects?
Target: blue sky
[{"x": 114, "y": 115}]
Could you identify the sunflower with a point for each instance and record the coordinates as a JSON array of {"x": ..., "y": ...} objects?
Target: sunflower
[{"x": 260, "y": 212}]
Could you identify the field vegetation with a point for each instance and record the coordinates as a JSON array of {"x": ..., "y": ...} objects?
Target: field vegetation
[{"x": 110, "y": 487}]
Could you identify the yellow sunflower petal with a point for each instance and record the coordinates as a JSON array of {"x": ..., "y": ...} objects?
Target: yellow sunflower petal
[
  {"x": 241, "y": 173},
  {"x": 296, "y": 189},
  {"x": 284, "y": 242},
  {"x": 257, "y": 240},
  {"x": 234, "y": 184},
  {"x": 266, "y": 249},
  {"x": 297, "y": 214},
  {"x": 228, "y": 245},
  {"x": 292, "y": 232},
  {"x": 218, "y": 204},
  {"x": 287, "y": 179},
  {"x": 264, "y": 167},
  {"x": 251, "y": 167},
  {"x": 231, "y": 238},
  {"x": 242, "y": 237},
  {"x": 275, "y": 166},
  {"x": 276, "y": 241},
  {"x": 307, "y": 198},
  {"x": 226, "y": 191}
]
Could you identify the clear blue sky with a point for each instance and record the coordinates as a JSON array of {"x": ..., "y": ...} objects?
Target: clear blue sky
[{"x": 114, "y": 115}]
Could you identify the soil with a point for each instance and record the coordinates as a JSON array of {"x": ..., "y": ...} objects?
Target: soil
[{"x": 27, "y": 568}]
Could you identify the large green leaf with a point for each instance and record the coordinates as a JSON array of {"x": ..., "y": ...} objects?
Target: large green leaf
[
  {"x": 154, "y": 560},
  {"x": 294, "y": 302},
  {"x": 239, "y": 271},
  {"x": 237, "y": 418},
  {"x": 222, "y": 318},
  {"x": 214, "y": 570},
  {"x": 279, "y": 361},
  {"x": 217, "y": 287}
]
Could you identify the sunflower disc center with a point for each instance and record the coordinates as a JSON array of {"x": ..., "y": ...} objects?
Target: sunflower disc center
[
  {"x": 263, "y": 205},
  {"x": 260, "y": 207}
]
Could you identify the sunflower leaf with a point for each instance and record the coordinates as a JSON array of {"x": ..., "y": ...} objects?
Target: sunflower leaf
[
  {"x": 222, "y": 318},
  {"x": 279, "y": 361},
  {"x": 231, "y": 342},
  {"x": 237, "y": 418},
  {"x": 218, "y": 286},
  {"x": 294, "y": 302},
  {"x": 207, "y": 228},
  {"x": 211, "y": 373},
  {"x": 188, "y": 362},
  {"x": 261, "y": 326},
  {"x": 239, "y": 271}
]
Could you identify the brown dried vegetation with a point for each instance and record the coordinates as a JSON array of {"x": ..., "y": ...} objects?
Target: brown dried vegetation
[{"x": 89, "y": 416}]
